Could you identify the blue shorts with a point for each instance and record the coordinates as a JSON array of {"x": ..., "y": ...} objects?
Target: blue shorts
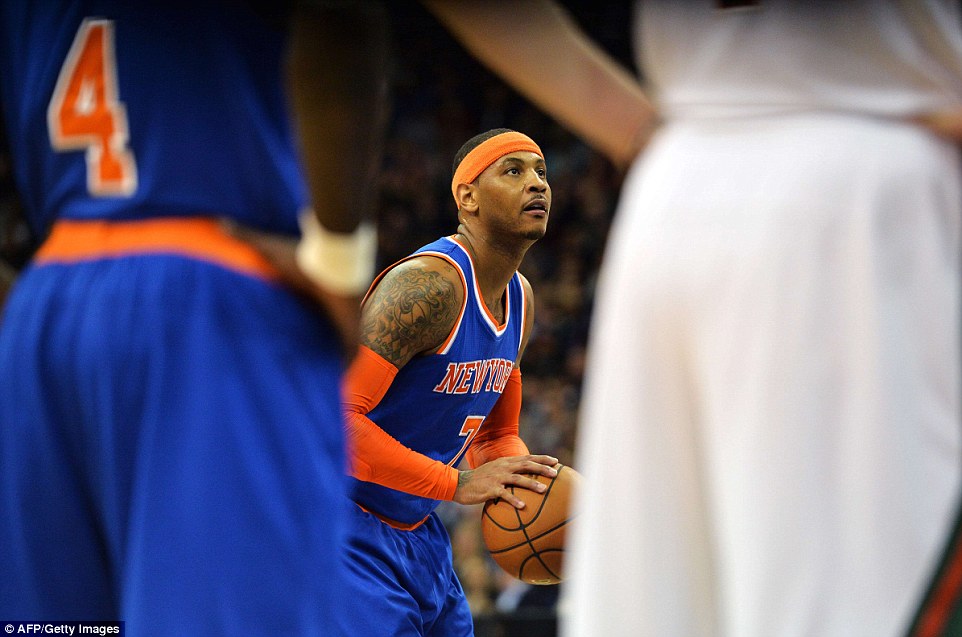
[
  {"x": 171, "y": 451},
  {"x": 402, "y": 583}
]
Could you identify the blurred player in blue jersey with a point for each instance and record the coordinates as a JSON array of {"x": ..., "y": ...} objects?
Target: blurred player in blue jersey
[
  {"x": 171, "y": 437},
  {"x": 436, "y": 379}
]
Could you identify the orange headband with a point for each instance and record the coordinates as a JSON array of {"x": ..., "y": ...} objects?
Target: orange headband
[{"x": 488, "y": 152}]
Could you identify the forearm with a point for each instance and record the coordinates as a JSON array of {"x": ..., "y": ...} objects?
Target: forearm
[
  {"x": 503, "y": 447},
  {"x": 537, "y": 48},
  {"x": 499, "y": 434},
  {"x": 378, "y": 457}
]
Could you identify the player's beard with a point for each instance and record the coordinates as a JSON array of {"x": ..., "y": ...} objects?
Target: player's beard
[{"x": 535, "y": 234}]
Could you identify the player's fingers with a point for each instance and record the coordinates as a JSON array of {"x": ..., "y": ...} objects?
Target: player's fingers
[
  {"x": 549, "y": 461},
  {"x": 537, "y": 468},
  {"x": 522, "y": 480},
  {"x": 511, "y": 499}
]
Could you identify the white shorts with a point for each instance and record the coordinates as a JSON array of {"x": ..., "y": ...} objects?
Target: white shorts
[{"x": 771, "y": 432}]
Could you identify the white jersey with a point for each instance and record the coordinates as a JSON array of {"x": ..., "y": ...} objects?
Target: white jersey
[
  {"x": 770, "y": 431},
  {"x": 880, "y": 57}
]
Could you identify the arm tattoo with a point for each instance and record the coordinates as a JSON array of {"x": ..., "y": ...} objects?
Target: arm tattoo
[{"x": 412, "y": 310}]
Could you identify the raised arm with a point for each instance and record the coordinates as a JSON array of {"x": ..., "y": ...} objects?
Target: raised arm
[{"x": 538, "y": 49}]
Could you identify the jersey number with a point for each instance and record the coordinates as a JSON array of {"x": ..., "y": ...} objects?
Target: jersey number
[
  {"x": 470, "y": 428},
  {"x": 85, "y": 112}
]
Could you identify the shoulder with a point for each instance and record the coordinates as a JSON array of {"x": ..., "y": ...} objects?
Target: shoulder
[
  {"x": 412, "y": 308},
  {"x": 430, "y": 274}
]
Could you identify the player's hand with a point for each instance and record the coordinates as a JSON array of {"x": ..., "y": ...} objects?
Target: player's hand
[
  {"x": 492, "y": 479},
  {"x": 344, "y": 312}
]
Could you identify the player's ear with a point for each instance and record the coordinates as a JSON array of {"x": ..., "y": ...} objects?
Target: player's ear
[{"x": 468, "y": 198}]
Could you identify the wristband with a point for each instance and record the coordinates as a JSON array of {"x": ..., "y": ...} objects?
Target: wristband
[{"x": 339, "y": 262}]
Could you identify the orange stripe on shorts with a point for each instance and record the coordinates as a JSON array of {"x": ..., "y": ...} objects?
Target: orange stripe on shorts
[
  {"x": 200, "y": 238},
  {"x": 400, "y": 526}
]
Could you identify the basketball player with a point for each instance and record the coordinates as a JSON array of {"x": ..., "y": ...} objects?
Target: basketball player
[
  {"x": 770, "y": 433},
  {"x": 437, "y": 379},
  {"x": 171, "y": 438}
]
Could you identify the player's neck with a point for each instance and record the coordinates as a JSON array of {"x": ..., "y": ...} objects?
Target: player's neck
[{"x": 494, "y": 263}]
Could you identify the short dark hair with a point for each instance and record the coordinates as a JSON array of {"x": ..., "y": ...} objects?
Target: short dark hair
[{"x": 473, "y": 143}]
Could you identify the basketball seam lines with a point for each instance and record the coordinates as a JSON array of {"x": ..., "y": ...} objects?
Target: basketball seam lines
[{"x": 535, "y": 553}]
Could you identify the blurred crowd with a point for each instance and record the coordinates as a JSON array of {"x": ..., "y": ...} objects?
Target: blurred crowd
[{"x": 441, "y": 98}]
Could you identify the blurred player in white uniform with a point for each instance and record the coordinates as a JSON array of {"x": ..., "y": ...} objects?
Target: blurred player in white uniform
[{"x": 771, "y": 434}]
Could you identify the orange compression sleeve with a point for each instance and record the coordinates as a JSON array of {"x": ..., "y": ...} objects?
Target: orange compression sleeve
[
  {"x": 376, "y": 456},
  {"x": 499, "y": 434}
]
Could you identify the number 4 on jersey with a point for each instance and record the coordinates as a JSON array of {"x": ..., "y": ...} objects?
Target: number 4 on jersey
[{"x": 86, "y": 114}]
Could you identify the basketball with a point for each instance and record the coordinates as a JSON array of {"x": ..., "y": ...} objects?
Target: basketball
[{"x": 528, "y": 543}]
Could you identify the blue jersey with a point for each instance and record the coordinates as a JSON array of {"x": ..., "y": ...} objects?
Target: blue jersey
[
  {"x": 172, "y": 414},
  {"x": 105, "y": 128},
  {"x": 437, "y": 403}
]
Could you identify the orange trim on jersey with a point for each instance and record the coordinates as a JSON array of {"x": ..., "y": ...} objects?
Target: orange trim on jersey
[
  {"x": 446, "y": 345},
  {"x": 201, "y": 238},
  {"x": 488, "y": 152},
  {"x": 498, "y": 328},
  {"x": 524, "y": 313},
  {"x": 443, "y": 348}
]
